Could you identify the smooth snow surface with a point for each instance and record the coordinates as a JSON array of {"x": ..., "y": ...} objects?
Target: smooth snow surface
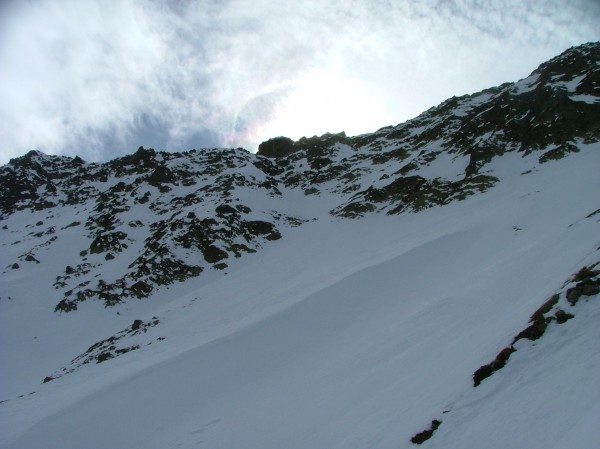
[{"x": 343, "y": 334}]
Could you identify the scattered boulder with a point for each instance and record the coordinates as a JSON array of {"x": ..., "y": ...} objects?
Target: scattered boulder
[
  {"x": 562, "y": 316},
  {"x": 573, "y": 295},
  {"x": 65, "y": 305},
  {"x": 533, "y": 332},
  {"x": 590, "y": 289},
  {"x": 126, "y": 350},
  {"x": 423, "y": 436},
  {"x": 108, "y": 241},
  {"x": 587, "y": 287},
  {"x": 538, "y": 315},
  {"x": 276, "y": 147},
  {"x": 263, "y": 228},
  {"x": 538, "y": 321},
  {"x": 586, "y": 272},
  {"x": 162, "y": 175},
  {"x": 320, "y": 162},
  {"x": 213, "y": 254},
  {"x": 103, "y": 357},
  {"x": 141, "y": 289},
  {"x": 145, "y": 198},
  {"x": 486, "y": 371},
  {"x": 224, "y": 210}
]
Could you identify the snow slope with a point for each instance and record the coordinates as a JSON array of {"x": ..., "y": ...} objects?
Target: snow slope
[{"x": 344, "y": 334}]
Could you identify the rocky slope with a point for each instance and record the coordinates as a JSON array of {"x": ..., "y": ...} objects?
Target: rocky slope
[
  {"x": 165, "y": 217},
  {"x": 318, "y": 293}
]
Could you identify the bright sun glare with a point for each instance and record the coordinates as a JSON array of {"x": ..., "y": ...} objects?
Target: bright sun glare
[{"x": 325, "y": 101}]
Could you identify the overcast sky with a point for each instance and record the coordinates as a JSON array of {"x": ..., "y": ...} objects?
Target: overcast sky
[{"x": 99, "y": 78}]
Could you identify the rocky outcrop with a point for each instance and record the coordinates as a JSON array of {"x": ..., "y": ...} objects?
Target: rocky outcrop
[{"x": 166, "y": 217}]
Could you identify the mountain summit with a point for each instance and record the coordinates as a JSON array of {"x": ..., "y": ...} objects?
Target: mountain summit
[{"x": 432, "y": 281}]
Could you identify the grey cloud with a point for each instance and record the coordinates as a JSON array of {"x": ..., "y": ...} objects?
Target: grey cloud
[{"x": 81, "y": 78}]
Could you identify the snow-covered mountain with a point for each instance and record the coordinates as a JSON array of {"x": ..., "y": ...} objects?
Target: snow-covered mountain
[{"x": 435, "y": 281}]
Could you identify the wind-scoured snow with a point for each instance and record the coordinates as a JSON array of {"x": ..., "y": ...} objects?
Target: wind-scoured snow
[
  {"x": 346, "y": 334},
  {"x": 341, "y": 296}
]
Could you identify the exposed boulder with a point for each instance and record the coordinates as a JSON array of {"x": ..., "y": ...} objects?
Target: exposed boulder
[
  {"x": 276, "y": 147},
  {"x": 111, "y": 241},
  {"x": 423, "y": 436}
]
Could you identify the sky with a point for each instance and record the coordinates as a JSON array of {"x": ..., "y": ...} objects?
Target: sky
[{"x": 99, "y": 78}]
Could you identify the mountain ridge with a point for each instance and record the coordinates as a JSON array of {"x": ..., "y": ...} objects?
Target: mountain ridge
[
  {"x": 439, "y": 157},
  {"x": 331, "y": 292}
]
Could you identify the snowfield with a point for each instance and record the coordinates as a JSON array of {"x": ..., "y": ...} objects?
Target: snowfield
[{"x": 343, "y": 334}]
